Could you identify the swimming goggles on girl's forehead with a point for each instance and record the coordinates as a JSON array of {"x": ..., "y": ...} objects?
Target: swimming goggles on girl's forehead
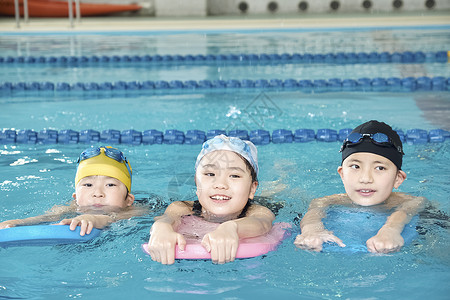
[
  {"x": 110, "y": 152},
  {"x": 378, "y": 138},
  {"x": 234, "y": 144},
  {"x": 240, "y": 144}
]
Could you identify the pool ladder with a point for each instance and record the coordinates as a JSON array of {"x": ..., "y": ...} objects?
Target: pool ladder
[{"x": 25, "y": 12}]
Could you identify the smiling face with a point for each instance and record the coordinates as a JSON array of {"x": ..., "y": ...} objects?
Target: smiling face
[
  {"x": 102, "y": 191},
  {"x": 369, "y": 178},
  {"x": 224, "y": 184}
]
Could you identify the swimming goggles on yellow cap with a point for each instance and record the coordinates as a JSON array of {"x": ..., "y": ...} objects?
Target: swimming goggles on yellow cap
[{"x": 105, "y": 161}]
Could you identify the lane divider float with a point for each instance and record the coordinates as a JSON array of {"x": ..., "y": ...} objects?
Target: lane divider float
[
  {"x": 119, "y": 88},
  {"x": 406, "y": 57},
  {"x": 195, "y": 137}
]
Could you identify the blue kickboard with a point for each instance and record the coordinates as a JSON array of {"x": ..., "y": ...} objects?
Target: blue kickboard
[
  {"x": 43, "y": 235},
  {"x": 354, "y": 226}
]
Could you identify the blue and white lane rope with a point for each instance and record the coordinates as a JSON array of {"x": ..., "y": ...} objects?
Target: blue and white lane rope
[
  {"x": 391, "y": 84},
  {"x": 195, "y": 137},
  {"x": 407, "y": 57}
]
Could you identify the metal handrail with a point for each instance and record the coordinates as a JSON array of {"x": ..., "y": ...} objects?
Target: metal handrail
[
  {"x": 26, "y": 15},
  {"x": 78, "y": 11},
  {"x": 17, "y": 13},
  {"x": 25, "y": 10},
  {"x": 70, "y": 12}
]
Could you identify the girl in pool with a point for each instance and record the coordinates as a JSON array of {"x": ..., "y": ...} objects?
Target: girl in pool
[{"x": 226, "y": 177}]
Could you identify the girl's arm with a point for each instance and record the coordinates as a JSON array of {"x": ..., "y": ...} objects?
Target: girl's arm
[
  {"x": 258, "y": 221},
  {"x": 223, "y": 242},
  {"x": 163, "y": 235},
  {"x": 314, "y": 233},
  {"x": 388, "y": 238}
]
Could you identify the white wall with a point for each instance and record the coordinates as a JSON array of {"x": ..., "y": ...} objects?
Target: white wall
[
  {"x": 260, "y": 7},
  {"x": 181, "y": 7}
]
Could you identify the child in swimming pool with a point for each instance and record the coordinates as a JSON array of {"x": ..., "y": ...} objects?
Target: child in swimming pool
[
  {"x": 102, "y": 195},
  {"x": 370, "y": 169},
  {"x": 226, "y": 178}
]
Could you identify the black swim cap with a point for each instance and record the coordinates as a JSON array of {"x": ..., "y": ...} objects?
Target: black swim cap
[{"x": 394, "y": 153}]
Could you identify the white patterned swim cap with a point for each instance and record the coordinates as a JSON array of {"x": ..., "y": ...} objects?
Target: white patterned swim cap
[{"x": 222, "y": 142}]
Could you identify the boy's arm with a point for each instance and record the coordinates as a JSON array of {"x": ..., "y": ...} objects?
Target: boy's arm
[
  {"x": 53, "y": 215},
  {"x": 163, "y": 237},
  {"x": 389, "y": 239},
  {"x": 314, "y": 233},
  {"x": 223, "y": 242},
  {"x": 89, "y": 221}
]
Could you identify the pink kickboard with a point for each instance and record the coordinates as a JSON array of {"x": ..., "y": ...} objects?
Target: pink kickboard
[{"x": 249, "y": 247}]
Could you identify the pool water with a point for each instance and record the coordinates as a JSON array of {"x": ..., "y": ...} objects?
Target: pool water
[{"x": 35, "y": 177}]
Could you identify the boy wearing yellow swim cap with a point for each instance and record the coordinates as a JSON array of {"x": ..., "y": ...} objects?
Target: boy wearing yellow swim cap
[
  {"x": 102, "y": 193},
  {"x": 371, "y": 168}
]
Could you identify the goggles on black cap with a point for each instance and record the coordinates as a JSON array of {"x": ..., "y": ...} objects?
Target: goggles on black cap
[{"x": 379, "y": 139}]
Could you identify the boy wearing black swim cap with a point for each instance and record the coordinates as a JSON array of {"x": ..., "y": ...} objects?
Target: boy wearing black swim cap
[{"x": 371, "y": 168}]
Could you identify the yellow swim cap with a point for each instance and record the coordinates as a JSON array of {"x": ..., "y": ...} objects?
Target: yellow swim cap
[{"x": 106, "y": 161}]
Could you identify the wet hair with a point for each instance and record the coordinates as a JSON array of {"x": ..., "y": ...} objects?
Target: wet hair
[{"x": 249, "y": 166}]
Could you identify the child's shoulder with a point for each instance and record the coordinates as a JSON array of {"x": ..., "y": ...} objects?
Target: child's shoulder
[
  {"x": 180, "y": 207},
  {"x": 257, "y": 209},
  {"x": 398, "y": 198},
  {"x": 406, "y": 202},
  {"x": 63, "y": 209},
  {"x": 335, "y": 199}
]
